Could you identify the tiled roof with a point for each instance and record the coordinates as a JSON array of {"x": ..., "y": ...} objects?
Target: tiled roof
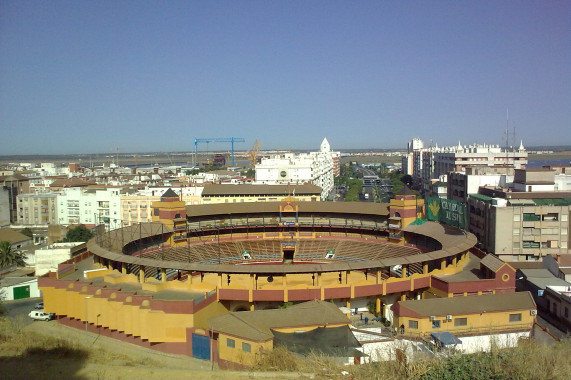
[
  {"x": 257, "y": 325},
  {"x": 492, "y": 263},
  {"x": 7, "y": 234},
  {"x": 169, "y": 194}
]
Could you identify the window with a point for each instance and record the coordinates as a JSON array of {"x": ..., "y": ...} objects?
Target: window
[
  {"x": 230, "y": 343},
  {"x": 460, "y": 322},
  {"x": 530, "y": 218},
  {"x": 516, "y": 244},
  {"x": 515, "y": 317},
  {"x": 563, "y": 217},
  {"x": 246, "y": 347},
  {"x": 413, "y": 325},
  {"x": 515, "y": 231},
  {"x": 435, "y": 324},
  {"x": 517, "y": 217}
]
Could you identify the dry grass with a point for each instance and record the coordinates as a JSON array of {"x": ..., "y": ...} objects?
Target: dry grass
[
  {"x": 16, "y": 341},
  {"x": 528, "y": 361}
]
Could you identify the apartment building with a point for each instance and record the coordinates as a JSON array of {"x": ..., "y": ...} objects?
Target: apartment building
[
  {"x": 520, "y": 226},
  {"x": 136, "y": 206},
  {"x": 89, "y": 206},
  {"x": 428, "y": 164},
  {"x": 37, "y": 209},
  {"x": 462, "y": 184}
]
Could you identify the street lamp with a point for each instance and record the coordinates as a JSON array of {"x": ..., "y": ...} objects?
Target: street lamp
[{"x": 86, "y": 298}]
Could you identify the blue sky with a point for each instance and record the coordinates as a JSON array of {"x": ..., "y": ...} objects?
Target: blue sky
[{"x": 140, "y": 76}]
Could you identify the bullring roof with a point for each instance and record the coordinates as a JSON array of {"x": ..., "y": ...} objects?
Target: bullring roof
[{"x": 305, "y": 207}]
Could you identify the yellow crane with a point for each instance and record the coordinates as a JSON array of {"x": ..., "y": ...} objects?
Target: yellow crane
[{"x": 253, "y": 154}]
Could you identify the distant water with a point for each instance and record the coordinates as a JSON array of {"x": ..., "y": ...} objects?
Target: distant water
[{"x": 541, "y": 163}]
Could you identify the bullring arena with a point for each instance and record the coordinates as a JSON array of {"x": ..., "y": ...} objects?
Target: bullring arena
[{"x": 157, "y": 284}]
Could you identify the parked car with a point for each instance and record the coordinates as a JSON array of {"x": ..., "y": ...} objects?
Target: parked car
[
  {"x": 39, "y": 306},
  {"x": 41, "y": 315}
]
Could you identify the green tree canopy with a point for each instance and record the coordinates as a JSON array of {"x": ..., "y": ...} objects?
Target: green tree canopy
[
  {"x": 10, "y": 256},
  {"x": 28, "y": 232},
  {"x": 79, "y": 233}
]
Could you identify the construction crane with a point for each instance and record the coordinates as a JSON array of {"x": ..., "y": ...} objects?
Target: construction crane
[
  {"x": 253, "y": 154},
  {"x": 221, "y": 139}
]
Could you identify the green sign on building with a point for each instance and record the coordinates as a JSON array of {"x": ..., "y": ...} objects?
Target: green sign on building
[{"x": 447, "y": 211}]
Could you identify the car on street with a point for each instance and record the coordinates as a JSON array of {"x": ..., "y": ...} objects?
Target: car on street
[
  {"x": 40, "y": 315},
  {"x": 39, "y": 306}
]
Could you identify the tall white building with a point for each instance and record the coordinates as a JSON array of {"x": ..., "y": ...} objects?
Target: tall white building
[
  {"x": 92, "y": 206},
  {"x": 317, "y": 168}
]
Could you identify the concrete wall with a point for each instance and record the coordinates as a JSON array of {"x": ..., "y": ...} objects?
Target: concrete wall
[
  {"x": 7, "y": 293},
  {"x": 47, "y": 259}
]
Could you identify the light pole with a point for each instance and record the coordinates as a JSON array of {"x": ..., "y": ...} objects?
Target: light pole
[{"x": 86, "y": 298}]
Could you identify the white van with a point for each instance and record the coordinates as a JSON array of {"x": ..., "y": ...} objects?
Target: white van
[{"x": 40, "y": 315}]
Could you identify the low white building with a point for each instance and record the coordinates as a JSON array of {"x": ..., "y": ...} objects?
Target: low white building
[{"x": 48, "y": 258}]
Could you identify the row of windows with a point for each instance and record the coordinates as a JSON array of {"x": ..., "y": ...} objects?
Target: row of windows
[
  {"x": 231, "y": 343},
  {"x": 458, "y": 322}
]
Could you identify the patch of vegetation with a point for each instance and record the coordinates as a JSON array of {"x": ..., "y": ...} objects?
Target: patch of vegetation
[
  {"x": 528, "y": 361},
  {"x": 10, "y": 256},
  {"x": 78, "y": 234}
]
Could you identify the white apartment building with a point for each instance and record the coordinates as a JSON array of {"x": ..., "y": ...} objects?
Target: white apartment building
[
  {"x": 92, "y": 206},
  {"x": 317, "y": 168},
  {"x": 457, "y": 158},
  {"x": 462, "y": 184}
]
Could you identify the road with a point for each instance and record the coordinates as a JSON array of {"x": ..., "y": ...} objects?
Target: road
[{"x": 19, "y": 309}]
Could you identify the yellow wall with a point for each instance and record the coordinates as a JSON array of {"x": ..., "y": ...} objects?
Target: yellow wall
[
  {"x": 139, "y": 321},
  {"x": 236, "y": 354},
  {"x": 491, "y": 321}
]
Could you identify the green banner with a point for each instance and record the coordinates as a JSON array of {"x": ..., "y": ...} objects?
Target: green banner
[{"x": 447, "y": 211}]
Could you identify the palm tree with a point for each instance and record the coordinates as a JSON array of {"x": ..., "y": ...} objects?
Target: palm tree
[{"x": 9, "y": 256}]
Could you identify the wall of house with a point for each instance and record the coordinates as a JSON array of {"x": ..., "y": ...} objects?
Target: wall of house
[
  {"x": 475, "y": 323},
  {"x": 238, "y": 354}
]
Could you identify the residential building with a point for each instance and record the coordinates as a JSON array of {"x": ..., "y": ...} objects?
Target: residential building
[
  {"x": 90, "y": 207},
  {"x": 15, "y": 184},
  {"x": 456, "y": 159},
  {"x": 462, "y": 184},
  {"x": 558, "y": 303},
  {"x": 4, "y": 206},
  {"x": 136, "y": 206},
  {"x": 37, "y": 209},
  {"x": 426, "y": 164},
  {"x": 520, "y": 225},
  {"x": 509, "y": 315}
]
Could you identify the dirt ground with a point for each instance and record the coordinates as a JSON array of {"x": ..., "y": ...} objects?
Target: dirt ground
[{"x": 107, "y": 358}]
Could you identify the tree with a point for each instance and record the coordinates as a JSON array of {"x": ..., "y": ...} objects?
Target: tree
[
  {"x": 28, "y": 232},
  {"x": 79, "y": 233},
  {"x": 10, "y": 256}
]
